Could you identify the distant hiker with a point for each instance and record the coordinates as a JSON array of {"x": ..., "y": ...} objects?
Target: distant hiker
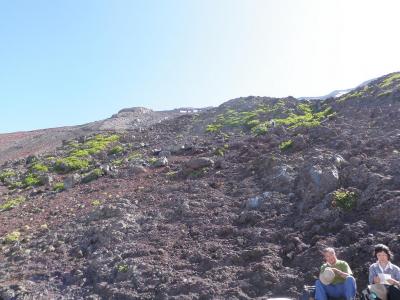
[
  {"x": 272, "y": 123},
  {"x": 384, "y": 273},
  {"x": 335, "y": 278}
]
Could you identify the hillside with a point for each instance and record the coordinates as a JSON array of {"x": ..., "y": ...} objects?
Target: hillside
[{"x": 232, "y": 202}]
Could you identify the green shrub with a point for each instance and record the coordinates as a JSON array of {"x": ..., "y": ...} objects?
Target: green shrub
[
  {"x": 12, "y": 237},
  {"x": 39, "y": 167},
  {"x": 80, "y": 153},
  {"x": 253, "y": 123},
  {"x": 171, "y": 174},
  {"x": 258, "y": 120},
  {"x": 93, "y": 175},
  {"x": 219, "y": 152},
  {"x": 389, "y": 80},
  {"x": 307, "y": 118},
  {"x": 344, "y": 199},
  {"x": 213, "y": 128},
  {"x": 123, "y": 268},
  {"x": 96, "y": 202},
  {"x": 16, "y": 185},
  {"x": 118, "y": 162},
  {"x": 31, "y": 180},
  {"x": 116, "y": 150},
  {"x": 198, "y": 173},
  {"x": 70, "y": 163},
  {"x": 384, "y": 94},
  {"x": 12, "y": 203},
  {"x": 7, "y": 174},
  {"x": 99, "y": 143},
  {"x": 261, "y": 128},
  {"x": 286, "y": 145},
  {"x": 152, "y": 160},
  {"x": 58, "y": 187},
  {"x": 135, "y": 156}
]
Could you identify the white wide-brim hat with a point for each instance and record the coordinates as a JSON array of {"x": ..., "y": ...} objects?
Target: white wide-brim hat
[{"x": 326, "y": 277}]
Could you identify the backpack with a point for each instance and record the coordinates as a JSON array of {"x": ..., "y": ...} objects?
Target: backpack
[
  {"x": 366, "y": 294},
  {"x": 308, "y": 293}
]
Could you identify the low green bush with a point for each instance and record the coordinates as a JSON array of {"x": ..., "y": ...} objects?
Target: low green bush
[
  {"x": 116, "y": 150},
  {"x": 12, "y": 203},
  {"x": 71, "y": 163},
  {"x": 12, "y": 237},
  {"x": 286, "y": 145},
  {"x": 346, "y": 200},
  {"x": 31, "y": 180},
  {"x": 7, "y": 174},
  {"x": 58, "y": 187},
  {"x": 39, "y": 167}
]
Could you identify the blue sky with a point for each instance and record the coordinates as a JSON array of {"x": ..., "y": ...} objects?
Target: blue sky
[{"x": 71, "y": 62}]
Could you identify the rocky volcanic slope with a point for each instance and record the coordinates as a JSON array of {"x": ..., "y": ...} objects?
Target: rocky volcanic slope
[
  {"x": 20, "y": 144},
  {"x": 231, "y": 203}
]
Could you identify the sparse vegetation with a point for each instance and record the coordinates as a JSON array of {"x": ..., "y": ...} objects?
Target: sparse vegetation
[
  {"x": 96, "y": 202},
  {"x": 58, "y": 187},
  {"x": 286, "y": 145},
  {"x": 12, "y": 237},
  {"x": 171, "y": 174},
  {"x": 307, "y": 118},
  {"x": 93, "y": 175},
  {"x": 7, "y": 174},
  {"x": 80, "y": 153},
  {"x": 384, "y": 94},
  {"x": 389, "y": 80},
  {"x": 118, "y": 162},
  {"x": 71, "y": 163},
  {"x": 135, "y": 156},
  {"x": 152, "y": 160},
  {"x": 12, "y": 203},
  {"x": 122, "y": 268},
  {"x": 258, "y": 121},
  {"x": 39, "y": 167},
  {"x": 99, "y": 143},
  {"x": 213, "y": 128},
  {"x": 198, "y": 173},
  {"x": 16, "y": 185},
  {"x": 219, "y": 152},
  {"x": 116, "y": 150},
  {"x": 344, "y": 199},
  {"x": 31, "y": 180}
]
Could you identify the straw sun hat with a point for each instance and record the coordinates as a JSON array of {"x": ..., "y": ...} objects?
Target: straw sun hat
[{"x": 326, "y": 277}]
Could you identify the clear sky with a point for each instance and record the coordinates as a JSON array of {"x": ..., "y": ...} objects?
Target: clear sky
[{"x": 75, "y": 61}]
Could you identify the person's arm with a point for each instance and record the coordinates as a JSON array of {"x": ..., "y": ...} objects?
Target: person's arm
[
  {"x": 393, "y": 281},
  {"x": 373, "y": 276},
  {"x": 341, "y": 273},
  {"x": 395, "y": 278},
  {"x": 345, "y": 273}
]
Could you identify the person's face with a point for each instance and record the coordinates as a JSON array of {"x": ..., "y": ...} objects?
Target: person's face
[
  {"x": 383, "y": 258},
  {"x": 330, "y": 258}
]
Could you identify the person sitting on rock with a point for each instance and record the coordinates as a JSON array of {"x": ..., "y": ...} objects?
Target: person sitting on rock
[
  {"x": 335, "y": 279},
  {"x": 383, "y": 266},
  {"x": 384, "y": 272}
]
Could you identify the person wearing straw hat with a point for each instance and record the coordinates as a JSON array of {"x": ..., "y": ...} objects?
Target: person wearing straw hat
[{"x": 335, "y": 278}]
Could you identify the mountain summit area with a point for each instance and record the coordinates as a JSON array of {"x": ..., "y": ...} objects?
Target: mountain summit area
[{"x": 228, "y": 202}]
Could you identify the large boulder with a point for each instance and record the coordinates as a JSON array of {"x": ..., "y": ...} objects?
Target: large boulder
[
  {"x": 161, "y": 162},
  {"x": 71, "y": 180},
  {"x": 314, "y": 182},
  {"x": 199, "y": 163}
]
